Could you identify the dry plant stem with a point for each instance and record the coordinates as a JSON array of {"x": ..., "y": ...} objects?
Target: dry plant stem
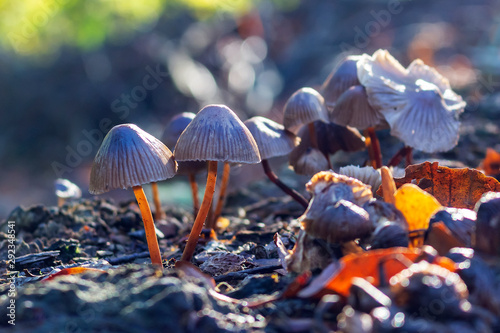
[
  {"x": 202, "y": 214},
  {"x": 291, "y": 192},
  {"x": 314, "y": 142},
  {"x": 222, "y": 195},
  {"x": 373, "y": 145},
  {"x": 194, "y": 190},
  {"x": 156, "y": 200},
  {"x": 149, "y": 227},
  {"x": 388, "y": 185},
  {"x": 402, "y": 153}
]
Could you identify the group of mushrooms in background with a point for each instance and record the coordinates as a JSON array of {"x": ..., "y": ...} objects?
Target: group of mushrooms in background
[{"x": 364, "y": 92}]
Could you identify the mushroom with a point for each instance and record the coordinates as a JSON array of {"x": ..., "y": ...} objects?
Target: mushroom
[
  {"x": 189, "y": 168},
  {"x": 216, "y": 134},
  {"x": 304, "y": 107},
  {"x": 130, "y": 157},
  {"x": 66, "y": 190},
  {"x": 273, "y": 140},
  {"x": 347, "y": 102},
  {"x": 335, "y": 212},
  {"x": 344, "y": 76},
  {"x": 332, "y": 138},
  {"x": 417, "y": 102}
]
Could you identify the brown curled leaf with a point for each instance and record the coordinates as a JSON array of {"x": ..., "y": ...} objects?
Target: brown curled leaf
[{"x": 459, "y": 188}]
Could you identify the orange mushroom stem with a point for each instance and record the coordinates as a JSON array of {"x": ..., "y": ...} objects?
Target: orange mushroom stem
[
  {"x": 157, "y": 202},
  {"x": 373, "y": 146},
  {"x": 222, "y": 196},
  {"x": 149, "y": 227},
  {"x": 194, "y": 191},
  {"x": 202, "y": 214},
  {"x": 291, "y": 192}
]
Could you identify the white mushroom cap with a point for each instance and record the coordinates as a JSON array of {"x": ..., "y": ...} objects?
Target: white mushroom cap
[
  {"x": 417, "y": 102},
  {"x": 66, "y": 189},
  {"x": 303, "y": 107},
  {"x": 129, "y": 157},
  {"x": 352, "y": 109},
  {"x": 217, "y": 134},
  {"x": 272, "y": 138},
  {"x": 340, "y": 79}
]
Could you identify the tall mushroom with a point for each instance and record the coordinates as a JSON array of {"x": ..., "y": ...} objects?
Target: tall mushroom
[
  {"x": 348, "y": 105},
  {"x": 189, "y": 168},
  {"x": 130, "y": 157},
  {"x": 273, "y": 141},
  {"x": 216, "y": 134}
]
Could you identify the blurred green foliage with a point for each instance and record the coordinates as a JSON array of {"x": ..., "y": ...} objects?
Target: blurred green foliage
[{"x": 40, "y": 27}]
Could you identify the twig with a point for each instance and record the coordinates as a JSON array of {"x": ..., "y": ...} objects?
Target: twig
[{"x": 240, "y": 275}]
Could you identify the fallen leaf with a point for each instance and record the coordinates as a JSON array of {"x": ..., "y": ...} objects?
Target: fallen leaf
[
  {"x": 336, "y": 278},
  {"x": 441, "y": 238},
  {"x": 416, "y": 205},
  {"x": 459, "y": 188},
  {"x": 491, "y": 163},
  {"x": 72, "y": 271}
]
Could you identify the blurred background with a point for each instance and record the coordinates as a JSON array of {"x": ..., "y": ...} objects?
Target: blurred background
[{"x": 72, "y": 69}]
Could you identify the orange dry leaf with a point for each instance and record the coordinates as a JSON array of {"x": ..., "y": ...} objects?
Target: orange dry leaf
[
  {"x": 491, "y": 163},
  {"x": 459, "y": 188},
  {"x": 368, "y": 265},
  {"x": 72, "y": 271}
]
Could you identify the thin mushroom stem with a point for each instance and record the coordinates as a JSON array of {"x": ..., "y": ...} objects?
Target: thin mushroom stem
[
  {"x": 314, "y": 142},
  {"x": 157, "y": 202},
  {"x": 60, "y": 202},
  {"x": 373, "y": 146},
  {"x": 202, "y": 214},
  {"x": 149, "y": 227},
  {"x": 291, "y": 192},
  {"x": 222, "y": 196},
  {"x": 403, "y": 152},
  {"x": 194, "y": 190}
]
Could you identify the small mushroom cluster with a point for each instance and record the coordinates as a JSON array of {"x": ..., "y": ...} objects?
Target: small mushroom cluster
[
  {"x": 130, "y": 157},
  {"x": 377, "y": 92},
  {"x": 342, "y": 210}
]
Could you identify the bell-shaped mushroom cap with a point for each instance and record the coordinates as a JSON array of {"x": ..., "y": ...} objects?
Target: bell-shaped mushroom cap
[
  {"x": 66, "y": 189},
  {"x": 217, "y": 134},
  {"x": 175, "y": 127},
  {"x": 352, "y": 109},
  {"x": 418, "y": 103},
  {"x": 129, "y": 157},
  {"x": 307, "y": 161},
  {"x": 303, "y": 107},
  {"x": 272, "y": 138},
  {"x": 344, "y": 76},
  {"x": 367, "y": 175}
]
